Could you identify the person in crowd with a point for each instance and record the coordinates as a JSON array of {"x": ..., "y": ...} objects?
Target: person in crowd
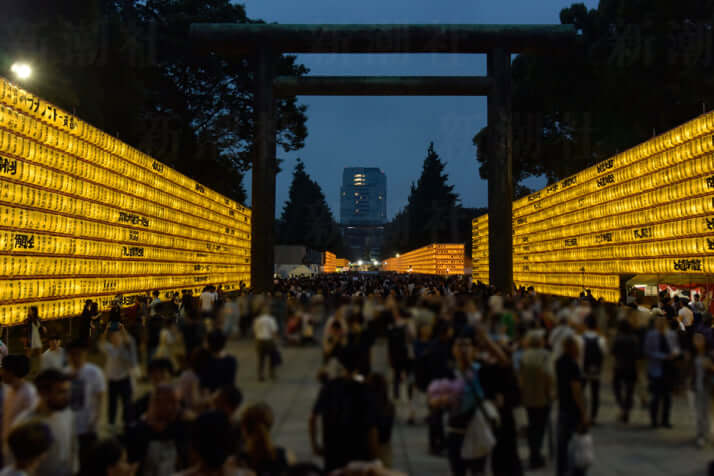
[
  {"x": 19, "y": 396},
  {"x": 88, "y": 320},
  {"x": 259, "y": 453},
  {"x": 108, "y": 458},
  {"x": 626, "y": 351},
  {"x": 28, "y": 444},
  {"x": 661, "y": 348},
  {"x": 119, "y": 348},
  {"x": 228, "y": 400},
  {"x": 348, "y": 414},
  {"x": 536, "y": 383},
  {"x": 89, "y": 387},
  {"x": 702, "y": 371},
  {"x": 191, "y": 394},
  {"x": 54, "y": 357},
  {"x": 222, "y": 369},
  {"x": 159, "y": 441},
  {"x": 207, "y": 302},
  {"x": 400, "y": 335},
  {"x": 34, "y": 331},
  {"x": 595, "y": 349},
  {"x": 54, "y": 389},
  {"x": 386, "y": 414},
  {"x": 697, "y": 305},
  {"x": 159, "y": 372},
  {"x": 572, "y": 413},
  {"x": 265, "y": 329}
]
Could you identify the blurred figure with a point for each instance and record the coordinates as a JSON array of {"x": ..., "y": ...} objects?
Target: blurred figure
[
  {"x": 702, "y": 386},
  {"x": 108, "y": 458},
  {"x": 54, "y": 389},
  {"x": 265, "y": 329},
  {"x": 20, "y": 396},
  {"x": 625, "y": 350},
  {"x": 572, "y": 414},
  {"x": 54, "y": 357},
  {"x": 536, "y": 382},
  {"x": 661, "y": 348},
  {"x": 121, "y": 358},
  {"x": 259, "y": 452},
  {"x": 29, "y": 444}
]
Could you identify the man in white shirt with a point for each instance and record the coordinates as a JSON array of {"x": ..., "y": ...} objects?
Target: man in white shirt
[
  {"x": 684, "y": 314},
  {"x": 265, "y": 329},
  {"x": 88, "y": 388},
  {"x": 54, "y": 357},
  {"x": 53, "y": 387},
  {"x": 207, "y": 301}
]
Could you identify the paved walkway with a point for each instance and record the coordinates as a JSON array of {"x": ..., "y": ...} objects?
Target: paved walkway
[{"x": 634, "y": 449}]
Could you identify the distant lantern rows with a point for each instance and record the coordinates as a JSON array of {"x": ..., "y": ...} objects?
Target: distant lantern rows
[
  {"x": 438, "y": 259},
  {"x": 85, "y": 216},
  {"x": 648, "y": 210}
]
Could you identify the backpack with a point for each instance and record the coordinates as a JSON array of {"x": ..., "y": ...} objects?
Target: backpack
[{"x": 593, "y": 356}]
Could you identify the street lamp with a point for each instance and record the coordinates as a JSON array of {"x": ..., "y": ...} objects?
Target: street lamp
[
  {"x": 359, "y": 263},
  {"x": 21, "y": 70}
]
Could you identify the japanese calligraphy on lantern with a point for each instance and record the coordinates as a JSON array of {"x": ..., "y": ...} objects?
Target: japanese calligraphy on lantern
[
  {"x": 646, "y": 211},
  {"x": 86, "y": 216}
]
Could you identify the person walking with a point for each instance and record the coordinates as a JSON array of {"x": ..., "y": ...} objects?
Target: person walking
[
  {"x": 625, "y": 350},
  {"x": 572, "y": 413},
  {"x": 702, "y": 387},
  {"x": 536, "y": 382},
  {"x": 265, "y": 329},
  {"x": 595, "y": 348},
  {"x": 120, "y": 350},
  {"x": 660, "y": 348}
]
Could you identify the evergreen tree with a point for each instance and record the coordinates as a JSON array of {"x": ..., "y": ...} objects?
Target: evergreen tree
[
  {"x": 432, "y": 214},
  {"x": 306, "y": 218}
]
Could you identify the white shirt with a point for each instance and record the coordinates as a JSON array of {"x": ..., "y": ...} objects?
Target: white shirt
[
  {"x": 686, "y": 316},
  {"x": 207, "y": 300},
  {"x": 495, "y": 304},
  {"x": 62, "y": 458},
  {"x": 120, "y": 360},
  {"x": 36, "y": 340},
  {"x": 16, "y": 402},
  {"x": 86, "y": 385},
  {"x": 265, "y": 327},
  {"x": 53, "y": 359}
]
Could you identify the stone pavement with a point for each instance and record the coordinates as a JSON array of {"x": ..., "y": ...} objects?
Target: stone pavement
[{"x": 634, "y": 449}]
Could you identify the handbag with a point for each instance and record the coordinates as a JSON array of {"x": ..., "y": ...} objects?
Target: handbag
[
  {"x": 582, "y": 451},
  {"x": 276, "y": 358},
  {"x": 479, "y": 439}
]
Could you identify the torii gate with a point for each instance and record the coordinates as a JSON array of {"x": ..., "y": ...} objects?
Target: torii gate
[{"x": 266, "y": 42}]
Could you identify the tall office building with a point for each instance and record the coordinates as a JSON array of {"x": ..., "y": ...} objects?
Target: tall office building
[
  {"x": 363, "y": 211},
  {"x": 363, "y": 196}
]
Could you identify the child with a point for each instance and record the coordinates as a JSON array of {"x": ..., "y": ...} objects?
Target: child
[
  {"x": 702, "y": 387},
  {"x": 28, "y": 444},
  {"x": 54, "y": 357}
]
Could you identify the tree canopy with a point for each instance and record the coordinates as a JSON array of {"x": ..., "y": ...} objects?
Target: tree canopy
[
  {"x": 306, "y": 218},
  {"x": 127, "y": 67},
  {"x": 637, "y": 68},
  {"x": 432, "y": 214}
]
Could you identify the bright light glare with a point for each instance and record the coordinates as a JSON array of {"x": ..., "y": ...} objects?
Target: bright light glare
[
  {"x": 21, "y": 70},
  {"x": 359, "y": 263}
]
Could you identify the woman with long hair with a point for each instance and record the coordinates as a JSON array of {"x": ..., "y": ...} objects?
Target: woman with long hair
[{"x": 259, "y": 452}]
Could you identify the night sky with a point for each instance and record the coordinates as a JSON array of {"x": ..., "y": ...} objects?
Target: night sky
[{"x": 393, "y": 132}]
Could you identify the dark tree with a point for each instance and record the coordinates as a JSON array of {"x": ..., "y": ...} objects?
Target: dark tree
[
  {"x": 128, "y": 68},
  {"x": 306, "y": 218},
  {"x": 638, "y": 68},
  {"x": 432, "y": 214}
]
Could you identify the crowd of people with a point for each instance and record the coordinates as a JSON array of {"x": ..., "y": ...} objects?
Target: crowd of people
[{"x": 473, "y": 365}]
